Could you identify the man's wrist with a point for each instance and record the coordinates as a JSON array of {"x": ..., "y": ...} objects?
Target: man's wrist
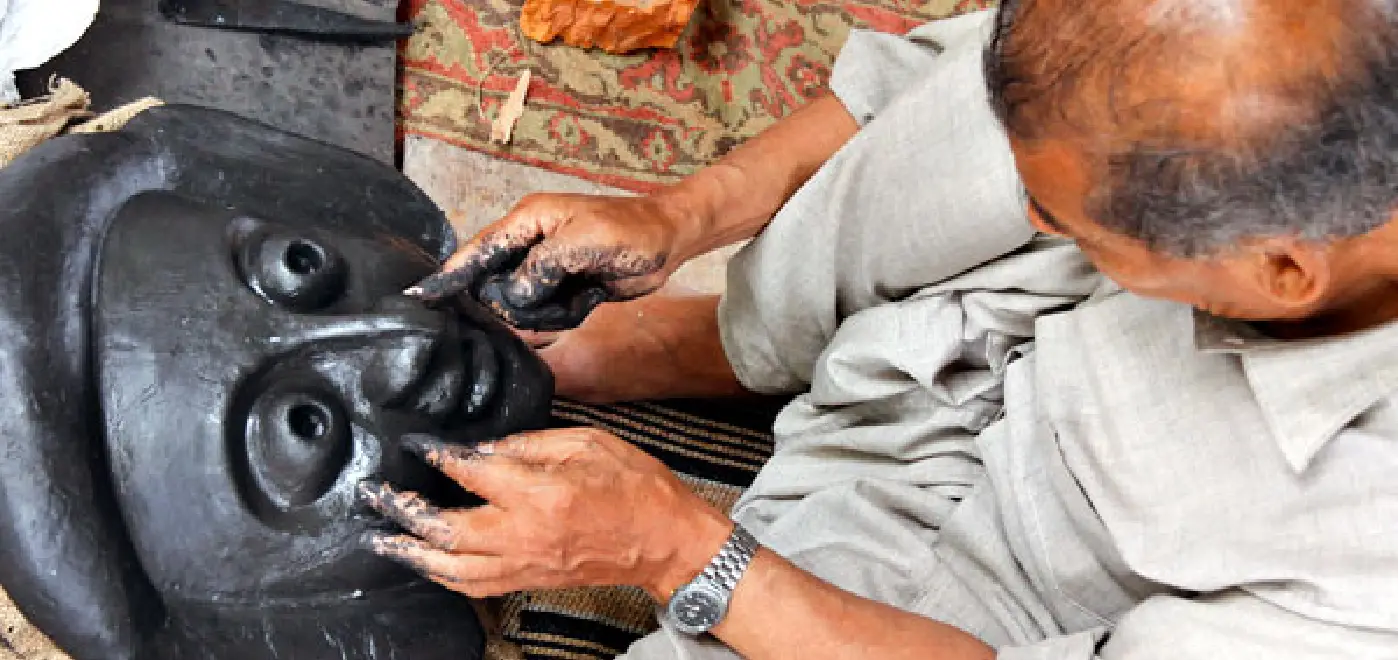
[
  {"x": 693, "y": 546},
  {"x": 690, "y": 208}
]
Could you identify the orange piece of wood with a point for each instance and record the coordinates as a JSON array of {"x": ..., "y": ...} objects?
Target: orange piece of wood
[{"x": 612, "y": 25}]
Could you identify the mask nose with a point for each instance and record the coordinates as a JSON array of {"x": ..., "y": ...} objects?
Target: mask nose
[
  {"x": 389, "y": 380},
  {"x": 453, "y": 377},
  {"x": 425, "y": 361},
  {"x": 404, "y": 332}
]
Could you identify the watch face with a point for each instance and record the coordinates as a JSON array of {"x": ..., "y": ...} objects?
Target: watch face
[{"x": 697, "y": 608}]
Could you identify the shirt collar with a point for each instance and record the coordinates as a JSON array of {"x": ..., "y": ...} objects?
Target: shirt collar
[{"x": 1312, "y": 389}]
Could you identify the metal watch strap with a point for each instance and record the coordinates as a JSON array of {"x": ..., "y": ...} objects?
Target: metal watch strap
[
  {"x": 698, "y": 606},
  {"x": 732, "y": 560}
]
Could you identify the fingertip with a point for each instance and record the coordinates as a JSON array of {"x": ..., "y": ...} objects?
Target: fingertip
[
  {"x": 444, "y": 283},
  {"x": 429, "y": 287},
  {"x": 407, "y": 508},
  {"x": 372, "y": 541},
  {"x": 394, "y": 546},
  {"x": 426, "y": 447},
  {"x": 448, "y": 457},
  {"x": 371, "y": 492}
]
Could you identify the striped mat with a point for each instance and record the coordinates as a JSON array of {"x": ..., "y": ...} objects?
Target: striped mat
[{"x": 715, "y": 446}]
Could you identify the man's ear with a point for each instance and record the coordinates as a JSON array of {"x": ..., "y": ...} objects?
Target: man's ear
[{"x": 1292, "y": 273}]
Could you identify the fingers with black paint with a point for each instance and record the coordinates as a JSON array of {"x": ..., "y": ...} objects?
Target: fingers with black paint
[
  {"x": 410, "y": 552},
  {"x": 477, "y": 576},
  {"x": 437, "y": 452},
  {"x": 564, "y": 312},
  {"x": 548, "y": 267},
  {"x": 410, "y": 511},
  {"x": 475, "y": 469},
  {"x": 494, "y": 253}
]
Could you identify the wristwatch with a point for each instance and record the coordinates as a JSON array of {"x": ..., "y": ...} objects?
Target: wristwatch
[{"x": 697, "y": 607}]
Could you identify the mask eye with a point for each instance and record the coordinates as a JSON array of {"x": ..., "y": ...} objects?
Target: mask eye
[
  {"x": 300, "y": 273},
  {"x": 293, "y": 449}
]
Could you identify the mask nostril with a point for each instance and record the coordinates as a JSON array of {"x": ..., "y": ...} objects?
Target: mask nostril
[
  {"x": 308, "y": 422},
  {"x": 303, "y": 258}
]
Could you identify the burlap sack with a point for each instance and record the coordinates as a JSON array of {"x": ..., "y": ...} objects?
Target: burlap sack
[
  {"x": 21, "y": 641},
  {"x": 32, "y": 122},
  {"x": 115, "y": 119},
  {"x": 24, "y": 126}
]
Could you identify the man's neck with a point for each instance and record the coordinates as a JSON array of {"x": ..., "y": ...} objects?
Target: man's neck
[{"x": 1373, "y": 307}]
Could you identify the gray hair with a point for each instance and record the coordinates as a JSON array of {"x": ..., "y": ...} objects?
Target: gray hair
[{"x": 1305, "y": 153}]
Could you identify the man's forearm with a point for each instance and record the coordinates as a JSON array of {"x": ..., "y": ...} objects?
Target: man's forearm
[
  {"x": 657, "y": 347},
  {"x": 780, "y": 611},
  {"x": 735, "y": 198}
]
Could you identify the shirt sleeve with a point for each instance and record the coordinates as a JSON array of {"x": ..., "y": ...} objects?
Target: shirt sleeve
[
  {"x": 926, "y": 191},
  {"x": 1231, "y": 624},
  {"x": 880, "y": 457},
  {"x": 874, "y": 68},
  {"x": 1238, "y": 625}
]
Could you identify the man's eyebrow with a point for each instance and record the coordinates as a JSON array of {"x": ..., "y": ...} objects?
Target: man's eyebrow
[{"x": 1045, "y": 216}]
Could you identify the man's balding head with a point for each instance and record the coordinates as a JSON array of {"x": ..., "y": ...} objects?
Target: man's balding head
[{"x": 1205, "y": 123}]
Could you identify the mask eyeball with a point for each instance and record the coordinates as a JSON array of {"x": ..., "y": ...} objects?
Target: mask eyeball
[{"x": 299, "y": 273}]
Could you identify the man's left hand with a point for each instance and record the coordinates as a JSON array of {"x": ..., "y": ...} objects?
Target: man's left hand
[{"x": 565, "y": 508}]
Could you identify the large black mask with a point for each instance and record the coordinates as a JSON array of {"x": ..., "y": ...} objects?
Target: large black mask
[{"x": 205, "y": 350}]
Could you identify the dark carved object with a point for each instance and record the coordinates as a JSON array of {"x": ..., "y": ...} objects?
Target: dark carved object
[{"x": 203, "y": 349}]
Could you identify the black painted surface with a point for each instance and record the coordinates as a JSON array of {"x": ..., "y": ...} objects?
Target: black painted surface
[
  {"x": 284, "y": 17},
  {"x": 334, "y": 92},
  {"x": 202, "y": 349}
]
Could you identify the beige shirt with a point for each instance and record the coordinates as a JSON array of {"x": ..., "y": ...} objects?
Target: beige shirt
[{"x": 990, "y": 434}]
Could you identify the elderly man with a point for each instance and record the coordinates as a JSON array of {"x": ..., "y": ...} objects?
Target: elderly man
[{"x": 1164, "y": 424}]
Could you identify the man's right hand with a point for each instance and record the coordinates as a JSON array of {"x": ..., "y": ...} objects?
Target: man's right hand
[{"x": 555, "y": 257}]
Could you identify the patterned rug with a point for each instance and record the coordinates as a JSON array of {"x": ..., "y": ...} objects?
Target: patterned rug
[
  {"x": 717, "y": 447},
  {"x": 640, "y": 120}
]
